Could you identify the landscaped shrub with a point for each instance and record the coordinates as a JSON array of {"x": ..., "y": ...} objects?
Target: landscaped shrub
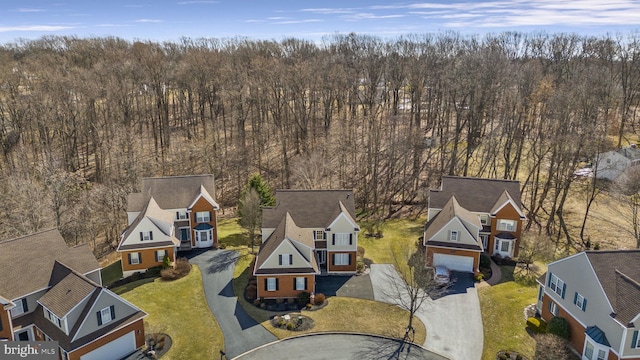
[
  {"x": 279, "y": 301},
  {"x": 251, "y": 292},
  {"x": 181, "y": 269},
  {"x": 360, "y": 253},
  {"x": 320, "y": 298},
  {"x": 537, "y": 325},
  {"x": 256, "y": 302},
  {"x": 558, "y": 326},
  {"x": 478, "y": 276},
  {"x": 166, "y": 262},
  {"x": 153, "y": 271},
  {"x": 303, "y": 298},
  {"x": 360, "y": 266},
  {"x": 485, "y": 261}
]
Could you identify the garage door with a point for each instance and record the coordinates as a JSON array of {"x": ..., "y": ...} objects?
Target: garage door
[
  {"x": 116, "y": 349},
  {"x": 454, "y": 262}
]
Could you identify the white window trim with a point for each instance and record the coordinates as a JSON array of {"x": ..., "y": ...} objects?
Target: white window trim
[
  {"x": 300, "y": 283},
  {"x": 342, "y": 239},
  {"x": 102, "y": 316},
  {"x": 597, "y": 348},
  {"x": 182, "y": 215},
  {"x": 203, "y": 217},
  {"x": 316, "y": 232},
  {"x": 271, "y": 284},
  {"x": 285, "y": 259},
  {"x": 341, "y": 259},
  {"x": 556, "y": 284},
  {"x": 18, "y": 309},
  {"x": 503, "y": 225},
  {"x": 146, "y": 235},
  {"x": 135, "y": 259},
  {"x": 554, "y": 310},
  {"x": 208, "y": 234},
  {"x": 453, "y": 235},
  {"x": 485, "y": 219},
  {"x": 160, "y": 258},
  {"x": 579, "y": 301}
]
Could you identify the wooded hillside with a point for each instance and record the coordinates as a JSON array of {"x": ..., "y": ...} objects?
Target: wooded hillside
[{"x": 82, "y": 120}]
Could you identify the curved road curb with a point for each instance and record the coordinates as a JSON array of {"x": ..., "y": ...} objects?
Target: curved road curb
[{"x": 359, "y": 344}]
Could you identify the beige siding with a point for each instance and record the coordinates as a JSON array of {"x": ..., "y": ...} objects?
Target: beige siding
[
  {"x": 628, "y": 351},
  {"x": 463, "y": 235},
  {"x": 32, "y": 301},
  {"x": 104, "y": 300},
  {"x": 578, "y": 275},
  {"x": 266, "y": 232},
  {"x": 131, "y": 216},
  {"x": 145, "y": 225},
  {"x": 74, "y": 315},
  {"x": 432, "y": 212},
  {"x": 285, "y": 248},
  {"x": 342, "y": 226}
]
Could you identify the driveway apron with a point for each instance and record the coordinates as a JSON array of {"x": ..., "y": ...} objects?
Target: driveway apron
[
  {"x": 241, "y": 332},
  {"x": 453, "y": 321}
]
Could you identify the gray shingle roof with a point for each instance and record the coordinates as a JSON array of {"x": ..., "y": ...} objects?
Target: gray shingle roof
[
  {"x": 171, "y": 192},
  {"x": 36, "y": 255},
  {"x": 474, "y": 194},
  {"x": 619, "y": 274},
  {"x": 309, "y": 208},
  {"x": 287, "y": 229},
  {"x": 68, "y": 289},
  {"x": 450, "y": 210}
]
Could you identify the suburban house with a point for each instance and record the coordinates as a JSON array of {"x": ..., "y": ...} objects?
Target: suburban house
[
  {"x": 50, "y": 292},
  {"x": 611, "y": 164},
  {"x": 468, "y": 216},
  {"x": 307, "y": 233},
  {"x": 170, "y": 214},
  {"x": 598, "y": 292}
]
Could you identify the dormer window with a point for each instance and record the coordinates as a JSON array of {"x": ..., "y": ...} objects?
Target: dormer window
[
  {"x": 182, "y": 215},
  {"x": 319, "y": 235},
  {"x": 106, "y": 315},
  {"x": 54, "y": 319},
  {"x": 146, "y": 235},
  {"x": 484, "y": 219},
  {"x": 203, "y": 216}
]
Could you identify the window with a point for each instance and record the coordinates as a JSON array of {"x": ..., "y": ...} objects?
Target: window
[
  {"x": 146, "y": 235},
  {"x": 484, "y": 219},
  {"x": 558, "y": 286},
  {"x": 635, "y": 343},
  {"x": 203, "y": 216},
  {"x": 588, "y": 350},
  {"x": 285, "y": 259},
  {"x": 134, "y": 258},
  {"x": 580, "y": 301},
  {"x": 601, "y": 354},
  {"x": 20, "y": 308},
  {"x": 272, "y": 284},
  {"x": 342, "y": 239},
  {"x": 106, "y": 315},
  {"x": 341, "y": 259},
  {"x": 507, "y": 225},
  {"x": 319, "y": 235},
  {"x": 485, "y": 240},
  {"x": 203, "y": 236},
  {"x": 453, "y": 235},
  {"x": 160, "y": 254},
  {"x": 300, "y": 283},
  {"x": 504, "y": 246},
  {"x": 54, "y": 319},
  {"x": 182, "y": 215},
  {"x": 553, "y": 308}
]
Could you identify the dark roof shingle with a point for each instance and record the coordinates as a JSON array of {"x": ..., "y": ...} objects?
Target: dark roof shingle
[
  {"x": 309, "y": 208},
  {"x": 171, "y": 192},
  {"x": 474, "y": 194}
]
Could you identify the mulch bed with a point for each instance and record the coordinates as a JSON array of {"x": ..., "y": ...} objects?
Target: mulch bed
[
  {"x": 159, "y": 343},
  {"x": 292, "y": 322}
]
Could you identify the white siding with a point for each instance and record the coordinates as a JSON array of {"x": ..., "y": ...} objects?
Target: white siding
[
  {"x": 342, "y": 226},
  {"x": 463, "y": 234},
  {"x": 285, "y": 248}
]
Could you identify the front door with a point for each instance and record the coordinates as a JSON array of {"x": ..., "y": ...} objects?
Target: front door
[
  {"x": 23, "y": 335},
  {"x": 322, "y": 257},
  {"x": 503, "y": 247}
]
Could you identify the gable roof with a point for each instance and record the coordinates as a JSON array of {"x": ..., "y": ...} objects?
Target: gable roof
[
  {"x": 618, "y": 272},
  {"x": 36, "y": 255},
  {"x": 171, "y": 192},
  {"x": 452, "y": 209},
  {"x": 474, "y": 194},
  {"x": 161, "y": 219},
  {"x": 287, "y": 230},
  {"x": 309, "y": 208},
  {"x": 68, "y": 290}
]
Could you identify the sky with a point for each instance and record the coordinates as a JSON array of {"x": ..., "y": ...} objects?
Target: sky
[{"x": 170, "y": 20}]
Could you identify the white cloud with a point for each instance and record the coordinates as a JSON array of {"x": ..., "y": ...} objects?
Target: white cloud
[
  {"x": 148, "y": 21},
  {"x": 328, "y": 11},
  {"x": 287, "y": 22},
  {"x": 28, "y": 10},
  {"x": 34, "y": 28},
  {"x": 370, "y": 16}
]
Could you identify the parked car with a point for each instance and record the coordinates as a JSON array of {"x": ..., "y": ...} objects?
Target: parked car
[
  {"x": 584, "y": 172},
  {"x": 442, "y": 275}
]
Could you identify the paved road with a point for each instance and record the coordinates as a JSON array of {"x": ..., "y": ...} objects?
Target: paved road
[
  {"x": 241, "y": 332},
  {"x": 339, "y": 346},
  {"x": 453, "y": 320}
]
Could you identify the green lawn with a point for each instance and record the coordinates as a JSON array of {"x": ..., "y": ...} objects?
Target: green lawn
[
  {"x": 111, "y": 273},
  {"x": 233, "y": 236},
  {"x": 342, "y": 314},
  {"x": 132, "y": 285},
  {"x": 179, "y": 308},
  {"x": 502, "y": 308},
  {"x": 399, "y": 237}
]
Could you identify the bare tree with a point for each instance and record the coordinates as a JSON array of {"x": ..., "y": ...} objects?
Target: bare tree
[{"x": 628, "y": 186}]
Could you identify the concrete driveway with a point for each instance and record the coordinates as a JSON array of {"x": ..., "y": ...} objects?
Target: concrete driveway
[
  {"x": 339, "y": 346},
  {"x": 453, "y": 320},
  {"x": 241, "y": 332}
]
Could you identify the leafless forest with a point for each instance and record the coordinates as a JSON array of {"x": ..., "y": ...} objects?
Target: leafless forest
[{"x": 82, "y": 120}]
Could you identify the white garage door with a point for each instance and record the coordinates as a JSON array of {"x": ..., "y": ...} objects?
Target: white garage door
[
  {"x": 116, "y": 349},
  {"x": 454, "y": 262}
]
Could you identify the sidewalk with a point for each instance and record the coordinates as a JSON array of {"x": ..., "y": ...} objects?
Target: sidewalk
[{"x": 496, "y": 275}]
